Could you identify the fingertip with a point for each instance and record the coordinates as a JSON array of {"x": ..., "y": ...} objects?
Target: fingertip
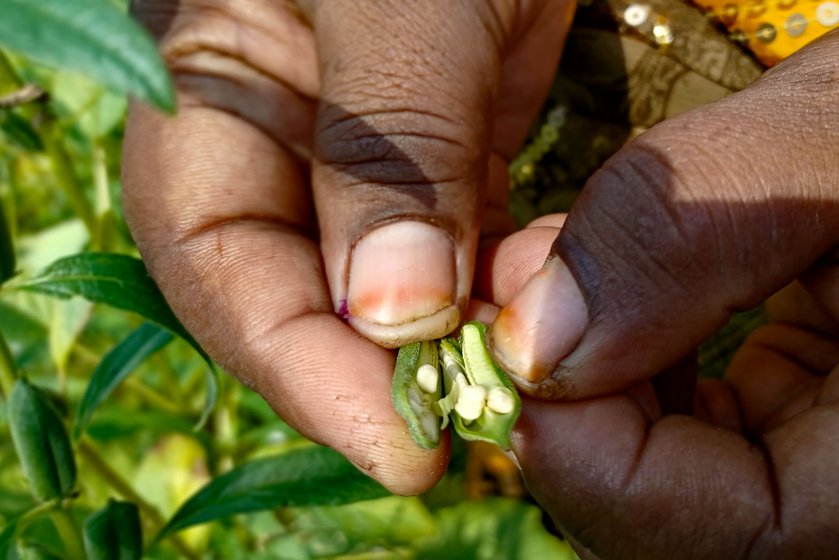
[
  {"x": 412, "y": 472},
  {"x": 541, "y": 325},
  {"x": 505, "y": 266},
  {"x": 334, "y": 387},
  {"x": 548, "y": 220},
  {"x": 402, "y": 284}
]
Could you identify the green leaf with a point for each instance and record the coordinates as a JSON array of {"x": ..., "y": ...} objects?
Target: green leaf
[
  {"x": 13, "y": 501},
  {"x": 123, "y": 282},
  {"x": 116, "y": 366},
  {"x": 26, "y": 335},
  {"x": 92, "y": 37},
  {"x": 7, "y": 541},
  {"x": 41, "y": 442},
  {"x": 66, "y": 325},
  {"x": 7, "y": 249},
  {"x": 94, "y": 110},
  {"x": 114, "y": 532},
  {"x": 20, "y": 131},
  {"x": 116, "y": 280},
  {"x": 38, "y": 250},
  {"x": 211, "y": 397},
  {"x": 11, "y": 535},
  {"x": 304, "y": 477},
  {"x": 113, "y": 422},
  {"x": 375, "y": 524},
  {"x": 492, "y": 528}
]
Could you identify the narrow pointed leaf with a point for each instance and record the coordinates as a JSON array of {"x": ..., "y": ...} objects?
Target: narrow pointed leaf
[
  {"x": 211, "y": 394},
  {"x": 41, "y": 442},
  {"x": 116, "y": 366},
  {"x": 7, "y": 250},
  {"x": 92, "y": 37},
  {"x": 117, "y": 280},
  {"x": 20, "y": 131},
  {"x": 7, "y": 541},
  {"x": 114, "y": 533},
  {"x": 305, "y": 477}
]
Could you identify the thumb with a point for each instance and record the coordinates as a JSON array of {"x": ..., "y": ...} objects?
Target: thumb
[
  {"x": 402, "y": 157},
  {"x": 705, "y": 214}
]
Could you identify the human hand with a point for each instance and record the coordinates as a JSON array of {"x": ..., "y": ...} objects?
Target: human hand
[
  {"x": 708, "y": 213},
  {"x": 332, "y": 157}
]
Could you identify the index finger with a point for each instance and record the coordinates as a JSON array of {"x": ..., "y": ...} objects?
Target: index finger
[{"x": 221, "y": 211}]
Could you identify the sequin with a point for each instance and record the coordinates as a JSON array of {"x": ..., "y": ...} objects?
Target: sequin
[
  {"x": 827, "y": 14},
  {"x": 766, "y": 33},
  {"x": 796, "y": 25},
  {"x": 774, "y": 29},
  {"x": 636, "y": 14},
  {"x": 663, "y": 34},
  {"x": 729, "y": 14},
  {"x": 756, "y": 10}
]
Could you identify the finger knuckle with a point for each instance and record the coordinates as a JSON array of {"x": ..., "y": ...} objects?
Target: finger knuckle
[{"x": 394, "y": 146}]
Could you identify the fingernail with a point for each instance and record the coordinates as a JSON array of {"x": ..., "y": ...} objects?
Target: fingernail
[
  {"x": 401, "y": 272},
  {"x": 542, "y": 324}
]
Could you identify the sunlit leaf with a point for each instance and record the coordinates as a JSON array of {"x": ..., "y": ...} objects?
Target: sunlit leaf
[
  {"x": 304, "y": 477},
  {"x": 115, "y": 366},
  {"x": 41, "y": 442},
  {"x": 490, "y": 529},
  {"x": 66, "y": 324},
  {"x": 388, "y": 523},
  {"x": 123, "y": 282},
  {"x": 92, "y": 37},
  {"x": 114, "y": 532},
  {"x": 117, "y": 280},
  {"x": 38, "y": 250},
  {"x": 94, "y": 110}
]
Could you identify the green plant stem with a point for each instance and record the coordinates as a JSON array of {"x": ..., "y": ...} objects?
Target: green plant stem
[
  {"x": 124, "y": 489},
  {"x": 50, "y": 133},
  {"x": 8, "y": 372},
  {"x": 104, "y": 212},
  {"x": 153, "y": 398},
  {"x": 224, "y": 419},
  {"x": 71, "y": 536},
  {"x": 65, "y": 175},
  {"x": 34, "y": 514}
]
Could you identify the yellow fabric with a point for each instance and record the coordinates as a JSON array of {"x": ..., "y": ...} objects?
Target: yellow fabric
[{"x": 774, "y": 29}]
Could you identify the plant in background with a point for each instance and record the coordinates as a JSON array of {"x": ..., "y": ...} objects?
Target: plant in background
[{"x": 120, "y": 439}]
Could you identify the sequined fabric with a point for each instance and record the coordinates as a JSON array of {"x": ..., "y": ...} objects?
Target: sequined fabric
[{"x": 774, "y": 29}]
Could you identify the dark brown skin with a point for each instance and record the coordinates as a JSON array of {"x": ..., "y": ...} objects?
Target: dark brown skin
[
  {"x": 301, "y": 130},
  {"x": 710, "y": 212}
]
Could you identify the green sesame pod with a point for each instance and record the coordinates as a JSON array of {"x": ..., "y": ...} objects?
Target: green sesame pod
[
  {"x": 114, "y": 532},
  {"x": 413, "y": 403},
  {"x": 41, "y": 442},
  {"x": 480, "y": 369}
]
